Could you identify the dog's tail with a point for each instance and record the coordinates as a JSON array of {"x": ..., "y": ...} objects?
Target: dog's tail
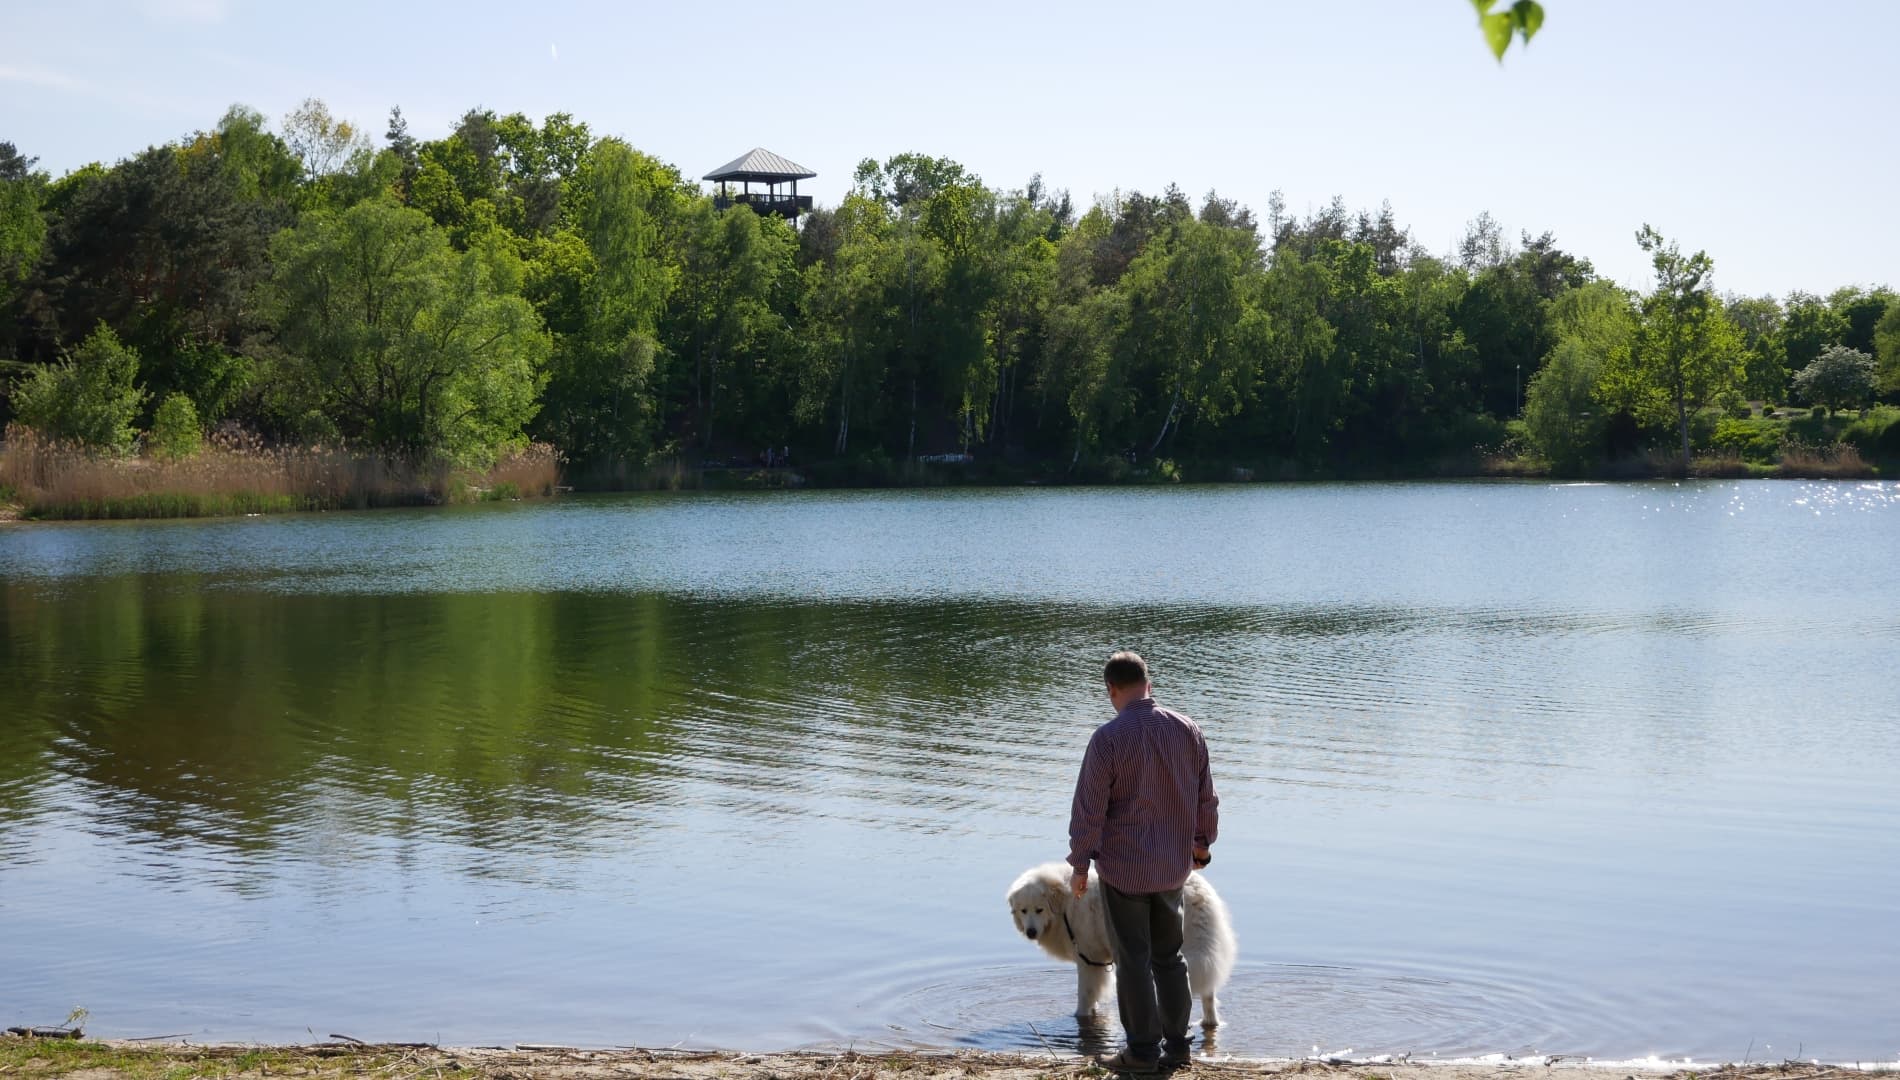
[{"x": 1211, "y": 930}]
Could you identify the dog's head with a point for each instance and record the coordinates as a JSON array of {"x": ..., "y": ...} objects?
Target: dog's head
[{"x": 1036, "y": 902}]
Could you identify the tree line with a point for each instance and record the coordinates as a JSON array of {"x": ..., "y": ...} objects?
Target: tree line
[{"x": 513, "y": 280}]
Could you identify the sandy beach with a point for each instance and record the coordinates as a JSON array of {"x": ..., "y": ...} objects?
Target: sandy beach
[{"x": 22, "y": 1058}]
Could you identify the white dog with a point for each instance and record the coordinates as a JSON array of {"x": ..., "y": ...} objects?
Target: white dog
[{"x": 1077, "y": 931}]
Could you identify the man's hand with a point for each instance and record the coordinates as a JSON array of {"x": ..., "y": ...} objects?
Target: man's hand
[
  {"x": 1079, "y": 883},
  {"x": 1202, "y": 857}
]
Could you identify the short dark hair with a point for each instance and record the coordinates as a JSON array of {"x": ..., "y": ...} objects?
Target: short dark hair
[{"x": 1125, "y": 668}]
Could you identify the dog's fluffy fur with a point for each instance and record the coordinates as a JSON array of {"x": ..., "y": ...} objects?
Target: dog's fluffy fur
[{"x": 1040, "y": 898}]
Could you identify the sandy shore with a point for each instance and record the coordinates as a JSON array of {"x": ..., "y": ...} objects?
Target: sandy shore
[{"x": 108, "y": 1060}]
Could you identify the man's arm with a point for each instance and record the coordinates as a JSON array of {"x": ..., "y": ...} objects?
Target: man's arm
[
  {"x": 1089, "y": 811},
  {"x": 1207, "y": 814}
]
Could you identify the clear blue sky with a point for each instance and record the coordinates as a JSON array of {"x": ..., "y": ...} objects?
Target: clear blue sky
[{"x": 1763, "y": 132}]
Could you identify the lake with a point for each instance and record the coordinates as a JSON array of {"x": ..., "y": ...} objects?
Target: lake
[{"x": 1505, "y": 767}]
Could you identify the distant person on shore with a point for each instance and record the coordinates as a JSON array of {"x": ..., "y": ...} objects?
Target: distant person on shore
[{"x": 1145, "y": 813}]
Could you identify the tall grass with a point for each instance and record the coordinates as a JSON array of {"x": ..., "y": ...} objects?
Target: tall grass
[
  {"x": 1841, "y": 461},
  {"x": 240, "y": 474}
]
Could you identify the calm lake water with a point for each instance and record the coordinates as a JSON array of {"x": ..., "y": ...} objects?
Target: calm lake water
[{"x": 1504, "y": 767}]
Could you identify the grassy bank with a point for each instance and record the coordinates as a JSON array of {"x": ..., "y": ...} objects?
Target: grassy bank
[
  {"x": 27, "y": 1059},
  {"x": 1769, "y": 443},
  {"x": 41, "y": 480},
  {"x": 1765, "y": 443},
  {"x": 46, "y": 480}
]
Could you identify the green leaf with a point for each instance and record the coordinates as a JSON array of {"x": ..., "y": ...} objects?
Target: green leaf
[
  {"x": 1529, "y": 15},
  {"x": 1497, "y": 32},
  {"x": 1483, "y": 6}
]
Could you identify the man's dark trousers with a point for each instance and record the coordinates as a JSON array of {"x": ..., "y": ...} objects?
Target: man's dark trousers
[{"x": 1151, "y": 983}]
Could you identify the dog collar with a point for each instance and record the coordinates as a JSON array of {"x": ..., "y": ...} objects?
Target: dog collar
[{"x": 1078, "y": 949}]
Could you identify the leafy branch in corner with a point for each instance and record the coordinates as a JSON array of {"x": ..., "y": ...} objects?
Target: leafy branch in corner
[{"x": 1523, "y": 18}]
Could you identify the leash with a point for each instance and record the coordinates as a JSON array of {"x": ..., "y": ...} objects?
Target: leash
[{"x": 1078, "y": 948}]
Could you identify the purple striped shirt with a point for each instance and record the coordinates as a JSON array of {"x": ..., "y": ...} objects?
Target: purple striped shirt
[{"x": 1144, "y": 800}]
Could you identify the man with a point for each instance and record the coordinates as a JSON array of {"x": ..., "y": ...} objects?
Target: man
[{"x": 1145, "y": 812}]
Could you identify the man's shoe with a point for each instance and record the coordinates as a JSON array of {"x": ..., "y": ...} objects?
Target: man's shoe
[
  {"x": 1128, "y": 1065},
  {"x": 1172, "y": 1058}
]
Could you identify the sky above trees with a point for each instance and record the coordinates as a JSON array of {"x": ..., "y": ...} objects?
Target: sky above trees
[{"x": 1752, "y": 130}]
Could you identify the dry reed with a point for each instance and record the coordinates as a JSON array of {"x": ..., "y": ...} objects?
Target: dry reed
[
  {"x": 1727, "y": 465},
  {"x": 238, "y": 473},
  {"x": 1841, "y": 461},
  {"x": 531, "y": 472}
]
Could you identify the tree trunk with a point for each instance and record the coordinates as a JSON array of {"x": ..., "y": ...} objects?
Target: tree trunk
[
  {"x": 712, "y": 393},
  {"x": 1173, "y": 406},
  {"x": 1682, "y": 422},
  {"x": 844, "y": 408}
]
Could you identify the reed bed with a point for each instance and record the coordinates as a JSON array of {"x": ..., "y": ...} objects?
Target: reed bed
[
  {"x": 1841, "y": 461},
  {"x": 238, "y": 473}
]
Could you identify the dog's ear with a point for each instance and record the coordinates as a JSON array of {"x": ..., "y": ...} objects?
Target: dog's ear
[{"x": 1056, "y": 895}]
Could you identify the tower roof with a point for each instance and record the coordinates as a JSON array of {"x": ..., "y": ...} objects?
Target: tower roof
[{"x": 760, "y": 164}]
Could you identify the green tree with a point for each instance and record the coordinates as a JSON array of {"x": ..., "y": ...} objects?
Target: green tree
[
  {"x": 1595, "y": 329},
  {"x": 1305, "y": 367},
  {"x": 625, "y": 211},
  {"x": 1599, "y": 315},
  {"x": 22, "y": 229},
  {"x": 1194, "y": 314},
  {"x": 321, "y": 142},
  {"x": 167, "y": 250},
  {"x": 1860, "y": 310},
  {"x": 1808, "y": 326},
  {"x": 727, "y": 308},
  {"x": 1560, "y": 412},
  {"x": 175, "y": 432},
  {"x": 1887, "y": 350},
  {"x": 1078, "y": 363},
  {"x": 1685, "y": 351},
  {"x": 1840, "y": 378},
  {"x": 851, "y": 320},
  {"x": 1022, "y": 272},
  {"x": 88, "y": 396},
  {"x": 241, "y": 147},
  {"x": 397, "y": 341},
  {"x": 1758, "y": 320},
  {"x": 1502, "y": 313}
]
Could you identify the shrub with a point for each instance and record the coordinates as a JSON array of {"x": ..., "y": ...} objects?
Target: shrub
[
  {"x": 175, "y": 432},
  {"x": 1752, "y": 440},
  {"x": 1561, "y": 417},
  {"x": 1840, "y": 378},
  {"x": 1875, "y": 435},
  {"x": 87, "y": 397}
]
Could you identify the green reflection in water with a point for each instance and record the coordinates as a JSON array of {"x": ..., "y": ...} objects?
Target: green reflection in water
[{"x": 225, "y": 717}]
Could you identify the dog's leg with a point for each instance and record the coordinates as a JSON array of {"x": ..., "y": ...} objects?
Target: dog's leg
[
  {"x": 1091, "y": 984},
  {"x": 1210, "y": 1013}
]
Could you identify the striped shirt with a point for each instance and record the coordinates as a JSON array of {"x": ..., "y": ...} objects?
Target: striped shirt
[{"x": 1144, "y": 800}]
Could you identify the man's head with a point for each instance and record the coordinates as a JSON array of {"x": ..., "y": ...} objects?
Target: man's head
[{"x": 1126, "y": 674}]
